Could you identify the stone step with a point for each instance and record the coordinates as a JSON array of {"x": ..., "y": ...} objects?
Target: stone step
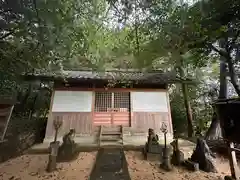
[
  {"x": 111, "y": 144},
  {"x": 111, "y": 138},
  {"x": 116, "y": 135},
  {"x": 111, "y": 133},
  {"x": 111, "y": 129}
]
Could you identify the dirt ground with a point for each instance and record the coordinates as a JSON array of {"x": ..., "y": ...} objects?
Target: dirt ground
[
  {"x": 32, "y": 167},
  {"x": 140, "y": 169}
]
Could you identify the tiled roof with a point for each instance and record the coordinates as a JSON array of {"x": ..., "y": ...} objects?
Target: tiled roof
[{"x": 153, "y": 77}]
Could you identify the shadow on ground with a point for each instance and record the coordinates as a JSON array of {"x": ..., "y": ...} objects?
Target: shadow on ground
[
  {"x": 110, "y": 164},
  {"x": 68, "y": 158}
]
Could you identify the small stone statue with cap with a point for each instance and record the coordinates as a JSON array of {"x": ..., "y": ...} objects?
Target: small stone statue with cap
[{"x": 68, "y": 149}]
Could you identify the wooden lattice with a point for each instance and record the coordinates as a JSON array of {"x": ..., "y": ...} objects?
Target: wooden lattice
[
  {"x": 103, "y": 101},
  {"x": 112, "y": 101}
]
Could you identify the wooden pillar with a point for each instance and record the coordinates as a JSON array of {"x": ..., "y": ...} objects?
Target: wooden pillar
[
  {"x": 49, "y": 128},
  {"x": 112, "y": 109},
  {"x": 169, "y": 114},
  {"x": 93, "y": 110},
  {"x": 233, "y": 160}
]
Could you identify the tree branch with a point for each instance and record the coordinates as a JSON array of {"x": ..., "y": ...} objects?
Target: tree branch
[
  {"x": 113, "y": 4},
  {"x": 7, "y": 34},
  {"x": 233, "y": 41},
  {"x": 105, "y": 16},
  {"x": 219, "y": 51},
  {"x": 229, "y": 61}
]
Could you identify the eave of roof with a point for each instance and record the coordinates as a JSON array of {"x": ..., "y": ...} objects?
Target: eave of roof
[{"x": 130, "y": 76}]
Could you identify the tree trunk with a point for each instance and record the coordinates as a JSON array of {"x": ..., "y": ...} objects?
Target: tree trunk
[
  {"x": 223, "y": 79},
  {"x": 188, "y": 110},
  {"x": 214, "y": 131},
  {"x": 186, "y": 99}
]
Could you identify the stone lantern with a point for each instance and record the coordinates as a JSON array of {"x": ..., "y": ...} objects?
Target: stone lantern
[
  {"x": 166, "y": 164},
  {"x": 54, "y": 146}
]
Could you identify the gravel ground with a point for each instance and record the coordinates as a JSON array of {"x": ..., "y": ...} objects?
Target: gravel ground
[
  {"x": 140, "y": 169},
  {"x": 32, "y": 167}
]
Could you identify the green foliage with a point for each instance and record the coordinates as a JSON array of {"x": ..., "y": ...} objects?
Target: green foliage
[
  {"x": 168, "y": 35},
  {"x": 179, "y": 118}
]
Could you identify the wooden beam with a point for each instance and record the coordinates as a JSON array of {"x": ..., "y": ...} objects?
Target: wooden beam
[
  {"x": 234, "y": 149},
  {"x": 108, "y": 89}
]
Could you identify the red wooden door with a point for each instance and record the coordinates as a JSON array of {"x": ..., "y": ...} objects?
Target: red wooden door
[{"x": 112, "y": 108}]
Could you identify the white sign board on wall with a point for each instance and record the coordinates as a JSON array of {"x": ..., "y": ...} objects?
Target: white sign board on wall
[
  {"x": 149, "y": 101},
  {"x": 72, "y": 101}
]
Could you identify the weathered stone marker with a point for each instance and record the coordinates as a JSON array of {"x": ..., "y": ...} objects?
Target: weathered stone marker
[
  {"x": 203, "y": 156},
  {"x": 54, "y": 146},
  {"x": 166, "y": 164}
]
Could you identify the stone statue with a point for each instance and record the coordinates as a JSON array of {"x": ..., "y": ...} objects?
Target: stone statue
[
  {"x": 68, "y": 139},
  {"x": 68, "y": 149},
  {"x": 152, "y": 145},
  {"x": 152, "y": 137}
]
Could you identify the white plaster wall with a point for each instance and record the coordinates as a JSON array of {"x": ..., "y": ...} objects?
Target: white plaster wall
[
  {"x": 72, "y": 101},
  {"x": 149, "y": 101}
]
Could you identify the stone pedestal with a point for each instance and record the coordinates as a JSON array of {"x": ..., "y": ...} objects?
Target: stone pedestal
[
  {"x": 52, "y": 162},
  {"x": 166, "y": 164},
  {"x": 204, "y": 157}
]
